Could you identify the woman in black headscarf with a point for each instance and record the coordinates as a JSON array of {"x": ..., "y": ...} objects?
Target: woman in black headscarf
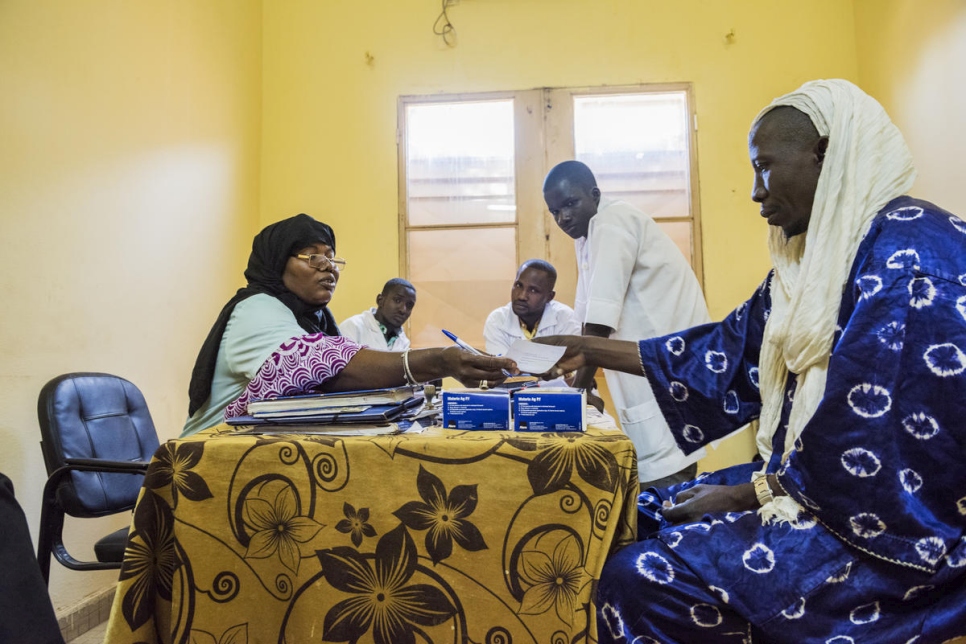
[{"x": 280, "y": 329}]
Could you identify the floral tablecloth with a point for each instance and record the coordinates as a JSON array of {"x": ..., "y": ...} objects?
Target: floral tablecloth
[{"x": 439, "y": 536}]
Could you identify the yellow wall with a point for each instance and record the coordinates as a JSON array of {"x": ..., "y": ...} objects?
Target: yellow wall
[
  {"x": 330, "y": 117},
  {"x": 911, "y": 57},
  {"x": 129, "y": 150}
]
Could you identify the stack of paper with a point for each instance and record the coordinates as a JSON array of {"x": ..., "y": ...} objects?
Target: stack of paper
[{"x": 343, "y": 401}]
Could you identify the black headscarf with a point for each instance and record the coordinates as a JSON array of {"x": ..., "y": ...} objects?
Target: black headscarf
[{"x": 271, "y": 249}]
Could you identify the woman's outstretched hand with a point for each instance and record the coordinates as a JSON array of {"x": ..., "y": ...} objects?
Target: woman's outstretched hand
[
  {"x": 474, "y": 370},
  {"x": 371, "y": 369}
]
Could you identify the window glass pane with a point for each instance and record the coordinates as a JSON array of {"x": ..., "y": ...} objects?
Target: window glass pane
[
  {"x": 637, "y": 146},
  {"x": 460, "y": 276},
  {"x": 680, "y": 234},
  {"x": 459, "y": 163}
]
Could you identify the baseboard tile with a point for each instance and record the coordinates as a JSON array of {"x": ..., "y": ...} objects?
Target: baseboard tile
[{"x": 76, "y": 620}]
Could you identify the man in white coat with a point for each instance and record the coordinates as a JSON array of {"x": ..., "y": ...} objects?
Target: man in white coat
[
  {"x": 532, "y": 312},
  {"x": 632, "y": 283},
  {"x": 381, "y": 326}
]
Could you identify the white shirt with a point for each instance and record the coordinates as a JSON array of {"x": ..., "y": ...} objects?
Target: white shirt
[
  {"x": 364, "y": 329},
  {"x": 632, "y": 278},
  {"x": 502, "y": 326}
]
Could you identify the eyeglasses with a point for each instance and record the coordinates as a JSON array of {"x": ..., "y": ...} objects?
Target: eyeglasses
[{"x": 323, "y": 261}]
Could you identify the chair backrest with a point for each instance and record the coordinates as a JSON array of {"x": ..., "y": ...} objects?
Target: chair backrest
[{"x": 95, "y": 416}]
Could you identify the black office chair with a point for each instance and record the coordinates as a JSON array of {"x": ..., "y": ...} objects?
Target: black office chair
[{"x": 97, "y": 440}]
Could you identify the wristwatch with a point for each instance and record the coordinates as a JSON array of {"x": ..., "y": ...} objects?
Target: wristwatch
[{"x": 763, "y": 490}]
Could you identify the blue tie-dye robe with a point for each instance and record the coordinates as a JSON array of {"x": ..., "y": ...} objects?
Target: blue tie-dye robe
[{"x": 880, "y": 553}]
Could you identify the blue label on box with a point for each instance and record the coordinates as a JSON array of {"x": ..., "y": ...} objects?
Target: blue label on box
[
  {"x": 476, "y": 409},
  {"x": 549, "y": 411}
]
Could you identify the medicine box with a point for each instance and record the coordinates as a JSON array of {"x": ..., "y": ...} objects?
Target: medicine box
[
  {"x": 549, "y": 410},
  {"x": 476, "y": 409}
]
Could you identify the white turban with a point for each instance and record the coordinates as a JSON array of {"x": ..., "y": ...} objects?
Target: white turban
[{"x": 866, "y": 166}]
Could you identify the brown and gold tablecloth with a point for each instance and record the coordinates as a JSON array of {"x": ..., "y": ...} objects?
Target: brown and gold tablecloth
[{"x": 440, "y": 536}]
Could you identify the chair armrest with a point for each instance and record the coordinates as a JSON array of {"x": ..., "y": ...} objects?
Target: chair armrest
[
  {"x": 93, "y": 465},
  {"x": 101, "y": 465},
  {"x": 88, "y": 465}
]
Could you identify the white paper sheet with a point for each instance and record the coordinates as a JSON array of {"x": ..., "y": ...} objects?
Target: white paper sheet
[{"x": 534, "y": 358}]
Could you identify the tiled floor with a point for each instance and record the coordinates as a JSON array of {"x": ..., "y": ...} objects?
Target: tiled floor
[{"x": 93, "y": 636}]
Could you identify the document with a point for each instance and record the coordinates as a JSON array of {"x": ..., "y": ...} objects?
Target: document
[
  {"x": 534, "y": 358},
  {"x": 599, "y": 419}
]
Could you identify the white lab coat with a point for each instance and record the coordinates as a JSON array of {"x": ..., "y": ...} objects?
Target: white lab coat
[
  {"x": 632, "y": 278},
  {"x": 364, "y": 329},
  {"x": 502, "y": 326}
]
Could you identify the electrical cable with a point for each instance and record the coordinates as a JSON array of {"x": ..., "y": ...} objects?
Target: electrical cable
[{"x": 443, "y": 27}]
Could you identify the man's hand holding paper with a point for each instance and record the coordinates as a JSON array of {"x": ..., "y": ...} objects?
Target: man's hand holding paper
[{"x": 585, "y": 350}]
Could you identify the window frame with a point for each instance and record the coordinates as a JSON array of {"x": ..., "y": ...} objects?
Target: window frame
[{"x": 544, "y": 136}]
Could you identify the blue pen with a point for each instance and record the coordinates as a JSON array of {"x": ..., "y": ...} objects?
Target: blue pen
[
  {"x": 460, "y": 343},
  {"x": 466, "y": 347}
]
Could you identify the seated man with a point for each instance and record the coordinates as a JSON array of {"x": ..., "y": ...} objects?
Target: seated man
[
  {"x": 532, "y": 311},
  {"x": 381, "y": 326},
  {"x": 852, "y": 356}
]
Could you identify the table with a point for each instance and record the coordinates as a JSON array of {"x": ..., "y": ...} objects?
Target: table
[{"x": 439, "y": 536}]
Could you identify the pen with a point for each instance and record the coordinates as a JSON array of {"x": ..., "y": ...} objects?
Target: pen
[
  {"x": 466, "y": 347},
  {"x": 460, "y": 343}
]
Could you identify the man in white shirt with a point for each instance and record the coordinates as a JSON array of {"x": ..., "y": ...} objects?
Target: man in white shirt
[
  {"x": 532, "y": 311},
  {"x": 381, "y": 326},
  {"x": 632, "y": 283}
]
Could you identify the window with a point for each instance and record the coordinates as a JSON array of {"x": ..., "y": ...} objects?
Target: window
[
  {"x": 471, "y": 176},
  {"x": 637, "y": 146},
  {"x": 460, "y": 205}
]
